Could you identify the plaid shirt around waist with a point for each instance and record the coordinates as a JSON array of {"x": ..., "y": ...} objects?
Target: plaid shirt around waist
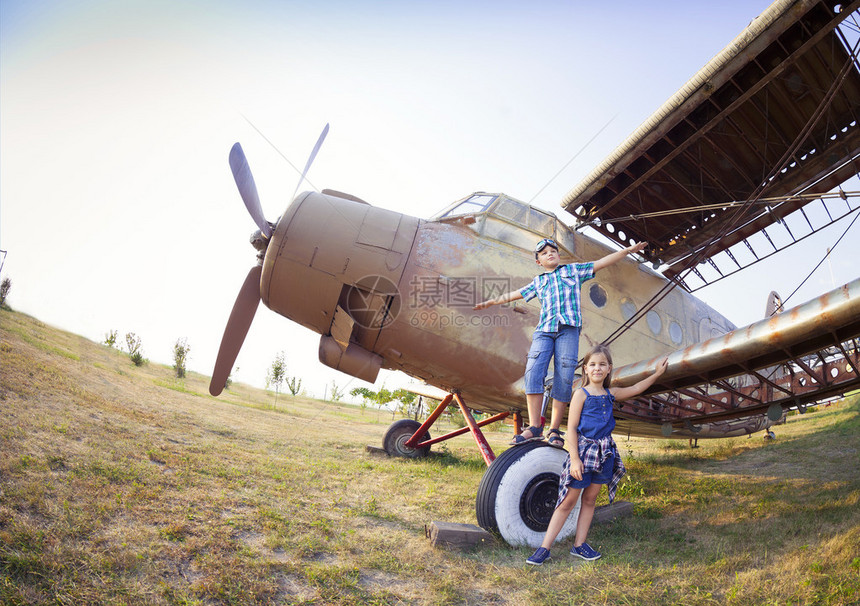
[{"x": 593, "y": 453}]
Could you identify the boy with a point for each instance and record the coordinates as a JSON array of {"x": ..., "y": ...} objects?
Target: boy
[{"x": 557, "y": 333}]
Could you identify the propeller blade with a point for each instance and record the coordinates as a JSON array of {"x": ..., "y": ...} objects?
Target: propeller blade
[
  {"x": 237, "y": 328},
  {"x": 248, "y": 189},
  {"x": 311, "y": 158}
]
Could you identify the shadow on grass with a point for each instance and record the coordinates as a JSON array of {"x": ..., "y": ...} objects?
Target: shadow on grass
[{"x": 800, "y": 450}]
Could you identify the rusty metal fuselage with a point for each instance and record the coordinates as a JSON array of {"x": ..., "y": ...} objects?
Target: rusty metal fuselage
[{"x": 386, "y": 290}]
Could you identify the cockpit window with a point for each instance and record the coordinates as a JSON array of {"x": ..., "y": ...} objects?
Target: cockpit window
[
  {"x": 508, "y": 220},
  {"x": 513, "y": 210},
  {"x": 474, "y": 204},
  {"x": 541, "y": 222}
]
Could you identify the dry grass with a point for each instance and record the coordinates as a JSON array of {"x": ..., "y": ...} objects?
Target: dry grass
[{"x": 121, "y": 484}]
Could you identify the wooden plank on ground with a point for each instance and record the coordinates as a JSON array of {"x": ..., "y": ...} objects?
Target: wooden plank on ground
[
  {"x": 460, "y": 536},
  {"x": 607, "y": 513},
  {"x": 465, "y": 536}
]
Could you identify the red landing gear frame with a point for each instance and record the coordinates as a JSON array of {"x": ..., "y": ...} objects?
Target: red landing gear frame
[{"x": 472, "y": 425}]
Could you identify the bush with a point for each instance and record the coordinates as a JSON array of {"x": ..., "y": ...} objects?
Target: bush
[
  {"x": 134, "y": 351},
  {"x": 5, "y": 287},
  {"x": 110, "y": 339}
]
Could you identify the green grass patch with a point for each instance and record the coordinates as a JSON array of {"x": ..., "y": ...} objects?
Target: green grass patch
[{"x": 122, "y": 485}]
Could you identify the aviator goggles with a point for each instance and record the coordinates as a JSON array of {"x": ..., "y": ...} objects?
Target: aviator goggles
[{"x": 543, "y": 244}]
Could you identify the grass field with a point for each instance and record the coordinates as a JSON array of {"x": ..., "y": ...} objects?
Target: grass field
[{"x": 125, "y": 485}]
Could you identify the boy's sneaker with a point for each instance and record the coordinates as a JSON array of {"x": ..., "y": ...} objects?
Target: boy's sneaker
[
  {"x": 585, "y": 552},
  {"x": 539, "y": 557}
]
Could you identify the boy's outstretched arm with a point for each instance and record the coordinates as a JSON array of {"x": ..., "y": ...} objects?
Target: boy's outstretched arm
[
  {"x": 625, "y": 393},
  {"x": 500, "y": 300},
  {"x": 615, "y": 257}
]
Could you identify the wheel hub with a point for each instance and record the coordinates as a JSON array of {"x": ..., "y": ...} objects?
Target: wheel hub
[{"x": 538, "y": 501}]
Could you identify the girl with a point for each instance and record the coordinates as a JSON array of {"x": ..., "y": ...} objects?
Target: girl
[{"x": 594, "y": 458}]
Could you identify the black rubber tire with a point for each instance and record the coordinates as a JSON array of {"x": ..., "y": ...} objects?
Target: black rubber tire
[
  {"x": 396, "y": 436},
  {"x": 517, "y": 495}
]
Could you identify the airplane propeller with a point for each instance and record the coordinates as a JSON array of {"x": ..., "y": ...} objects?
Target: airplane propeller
[
  {"x": 248, "y": 299},
  {"x": 237, "y": 327},
  {"x": 248, "y": 189}
]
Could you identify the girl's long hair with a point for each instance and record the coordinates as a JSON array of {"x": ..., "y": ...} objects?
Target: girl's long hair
[{"x": 598, "y": 349}]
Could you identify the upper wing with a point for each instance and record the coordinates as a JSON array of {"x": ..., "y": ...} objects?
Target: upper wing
[
  {"x": 765, "y": 128},
  {"x": 802, "y": 355}
]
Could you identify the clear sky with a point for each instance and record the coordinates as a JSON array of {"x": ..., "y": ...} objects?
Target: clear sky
[{"x": 117, "y": 206}]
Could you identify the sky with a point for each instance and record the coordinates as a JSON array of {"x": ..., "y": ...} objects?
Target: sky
[{"x": 118, "y": 210}]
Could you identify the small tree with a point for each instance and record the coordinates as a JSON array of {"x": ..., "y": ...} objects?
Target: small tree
[
  {"x": 180, "y": 355},
  {"x": 336, "y": 392},
  {"x": 110, "y": 339},
  {"x": 365, "y": 394},
  {"x": 407, "y": 403},
  {"x": 294, "y": 384},
  {"x": 383, "y": 397},
  {"x": 229, "y": 380},
  {"x": 277, "y": 373},
  {"x": 5, "y": 287},
  {"x": 134, "y": 351}
]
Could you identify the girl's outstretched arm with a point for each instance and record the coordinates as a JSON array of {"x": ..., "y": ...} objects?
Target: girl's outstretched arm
[{"x": 625, "y": 393}]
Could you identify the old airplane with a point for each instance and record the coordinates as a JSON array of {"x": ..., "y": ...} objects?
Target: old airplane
[{"x": 756, "y": 141}]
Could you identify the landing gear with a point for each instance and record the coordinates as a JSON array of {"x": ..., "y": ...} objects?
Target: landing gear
[
  {"x": 408, "y": 438},
  {"x": 517, "y": 495},
  {"x": 395, "y": 439}
]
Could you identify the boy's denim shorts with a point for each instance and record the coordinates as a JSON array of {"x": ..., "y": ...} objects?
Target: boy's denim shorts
[{"x": 563, "y": 348}]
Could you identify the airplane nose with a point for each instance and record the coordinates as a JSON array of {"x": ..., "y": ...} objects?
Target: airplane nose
[{"x": 329, "y": 249}]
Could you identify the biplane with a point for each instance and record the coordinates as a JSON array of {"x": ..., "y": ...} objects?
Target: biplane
[{"x": 744, "y": 161}]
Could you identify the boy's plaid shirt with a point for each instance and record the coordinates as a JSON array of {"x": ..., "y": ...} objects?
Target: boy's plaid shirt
[
  {"x": 559, "y": 294},
  {"x": 593, "y": 453}
]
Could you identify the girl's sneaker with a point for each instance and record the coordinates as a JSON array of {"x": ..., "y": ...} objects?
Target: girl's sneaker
[
  {"x": 585, "y": 552},
  {"x": 539, "y": 557}
]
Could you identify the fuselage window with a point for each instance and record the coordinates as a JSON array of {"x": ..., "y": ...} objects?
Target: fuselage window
[
  {"x": 709, "y": 330},
  {"x": 676, "y": 333},
  {"x": 654, "y": 322},
  {"x": 597, "y": 294},
  {"x": 628, "y": 308}
]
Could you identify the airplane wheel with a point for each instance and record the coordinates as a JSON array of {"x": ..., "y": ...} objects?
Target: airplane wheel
[
  {"x": 395, "y": 439},
  {"x": 517, "y": 495}
]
